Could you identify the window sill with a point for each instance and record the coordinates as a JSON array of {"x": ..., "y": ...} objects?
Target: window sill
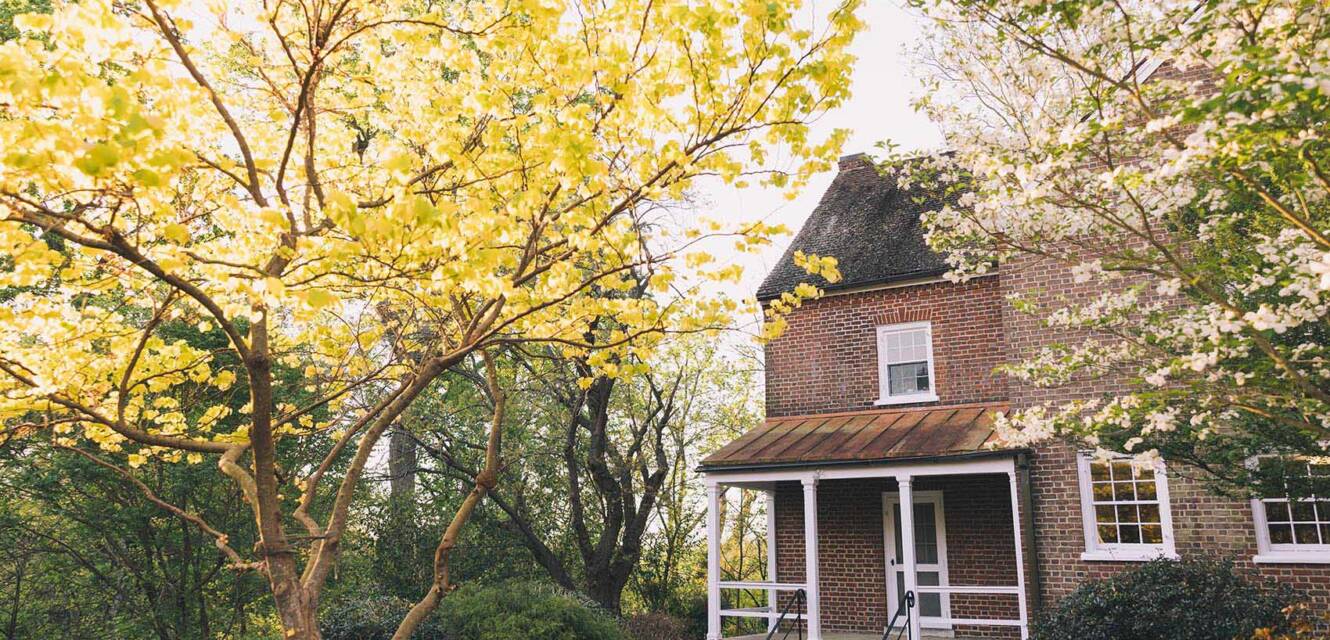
[
  {"x": 920, "y": 397},
  {"x": 1292, "y": 557},
  {"x": 1124, "y": 555}
]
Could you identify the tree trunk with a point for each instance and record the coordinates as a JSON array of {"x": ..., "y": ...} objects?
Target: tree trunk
[
  {"x": 299, "y": 616},
  {"x": 401, "y": 466}
]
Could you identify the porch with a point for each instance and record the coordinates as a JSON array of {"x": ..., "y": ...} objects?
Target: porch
[{"x": 917, "y": 546}]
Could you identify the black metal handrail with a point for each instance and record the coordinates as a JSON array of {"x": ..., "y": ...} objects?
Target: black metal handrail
[
  {"x": 905, "y": 608},
  {"x": 798, "y": 601}
]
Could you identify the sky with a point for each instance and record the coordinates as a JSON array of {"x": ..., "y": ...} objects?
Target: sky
[{"x": 878, "y": 110}]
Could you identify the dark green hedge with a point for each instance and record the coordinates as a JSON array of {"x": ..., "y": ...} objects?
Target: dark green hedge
[
  {"x": 523, "y": 611},
  {"x": 373, "y": 618},
  {"x": 1188, "y": 600},
  {"x": 506, "y": 611}
]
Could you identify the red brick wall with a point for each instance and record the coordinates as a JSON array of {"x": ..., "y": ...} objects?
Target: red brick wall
[
  {"x": 852, "y": 560},
  {"x": 1203, "y": 523},
  {"x": 827, "y": 359}
]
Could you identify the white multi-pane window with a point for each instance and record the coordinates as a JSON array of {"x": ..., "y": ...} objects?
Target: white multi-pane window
[
  {"x": 905, "y": 363},
  {"x": 1294, "y": 530},
  {"x": 1125, "y": 509}
]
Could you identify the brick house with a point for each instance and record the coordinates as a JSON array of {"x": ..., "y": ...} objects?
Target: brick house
[{"x": 889, "y": 503}]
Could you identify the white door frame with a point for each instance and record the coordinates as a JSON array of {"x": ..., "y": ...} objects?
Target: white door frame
[{"x": 890, "y": 498}]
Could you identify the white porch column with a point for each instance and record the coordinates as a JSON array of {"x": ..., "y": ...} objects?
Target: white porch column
[
  {"x": 713, "y": 560},
  {"x": 1020, "y": 553},
  {"x": 813, "y": 590},
  {"x": 771, "y": 557},
  {"x": 905, "y": 484}
]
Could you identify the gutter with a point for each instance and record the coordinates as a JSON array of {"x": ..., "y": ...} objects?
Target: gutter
[
  {"x": 1028, "y": 538},
  {"x": 804, "y": 464}
]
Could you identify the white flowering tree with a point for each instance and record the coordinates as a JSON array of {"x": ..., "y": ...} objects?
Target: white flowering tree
[{"x": 1172, "y": 155}]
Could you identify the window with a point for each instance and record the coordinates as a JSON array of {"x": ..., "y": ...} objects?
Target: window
[
  {"x": 1125, "y": 508},
  {"x": 1289, "y": 530},
  {"x": 905, "y": 363}
]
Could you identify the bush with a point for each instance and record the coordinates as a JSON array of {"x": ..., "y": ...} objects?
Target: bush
[
  {"x": 1189, "y": 600},
  {"x": 659, "y": 626},
  {"x": 373, "y": 618},
  {"x": 524, "y": 611}
]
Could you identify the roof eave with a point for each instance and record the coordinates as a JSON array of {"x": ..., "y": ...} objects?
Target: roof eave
[
  {"x": 866, "y": 284},
  {"x": 813, "y": 464}
]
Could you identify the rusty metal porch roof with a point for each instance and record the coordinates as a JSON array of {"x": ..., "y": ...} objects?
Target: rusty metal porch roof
[{"x": 862, "y": 436}]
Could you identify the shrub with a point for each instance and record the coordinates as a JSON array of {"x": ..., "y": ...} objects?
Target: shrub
[
  {"x": 523, "y": 611},
  {"x": 659, "y": 626},
  {"x": 1189, "y": 600},
  {"x": 373, "y": 618}
]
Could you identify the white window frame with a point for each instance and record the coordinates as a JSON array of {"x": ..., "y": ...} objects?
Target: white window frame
[
  {"x": 1269, "y": 553},
  {"x": 1120, "y": 551},
  {"x": 883, "y": 377}
]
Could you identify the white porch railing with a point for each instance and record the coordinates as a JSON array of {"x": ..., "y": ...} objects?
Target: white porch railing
[
  {"x": 904, "y": 474},
  {"x": 771, "y": 611},
  {"x": 947, "y": 590}
]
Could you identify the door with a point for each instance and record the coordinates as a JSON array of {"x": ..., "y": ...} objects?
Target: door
[{"x": 930, "y": 552}]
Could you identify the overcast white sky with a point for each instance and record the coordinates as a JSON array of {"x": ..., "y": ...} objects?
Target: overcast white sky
[{"x": 878, "y": 110}]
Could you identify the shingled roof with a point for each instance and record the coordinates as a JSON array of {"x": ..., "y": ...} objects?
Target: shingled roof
[{"x": 869, "y": 225}]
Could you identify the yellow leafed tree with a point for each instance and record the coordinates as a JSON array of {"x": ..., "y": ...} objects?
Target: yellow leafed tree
[{"x": 370, "y": 193}]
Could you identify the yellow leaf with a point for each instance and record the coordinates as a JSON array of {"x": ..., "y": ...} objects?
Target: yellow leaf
[{"x": 176, "y": 232}]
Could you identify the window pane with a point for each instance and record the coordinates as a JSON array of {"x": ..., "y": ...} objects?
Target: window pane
[
  {"x": 1130, "y": 534},
  {"x": 1146, "y": 490},
  {"x": 1105, "y": 514},
  {"x": 1304, "y": 511},
  {"x": 1145, "y": 473},
  {"x": 1277, "y": 512},
  {"x": 1099, "y": 472},
  {"x": 1124, "y": 491},
  {"x": 896, "y": 519},
  {"x": 1152, "y": 534},
  {"x": 1149, "y": 513},
  {"x": 1103, "y": 492},
  {"x": 1281, "y": 534},
  {"x": 1306, "y": 534},
  {"x": 930, "y": 604},
  {"x": 1108, "y": 533},
  {"x": 1127, "y": 513},
  {"x": 1122, "y": 470},
  {"x": 907, "y": 378}
]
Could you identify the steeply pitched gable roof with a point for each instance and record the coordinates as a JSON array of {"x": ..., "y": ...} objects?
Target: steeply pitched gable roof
[{"x": 869, "y": 225}]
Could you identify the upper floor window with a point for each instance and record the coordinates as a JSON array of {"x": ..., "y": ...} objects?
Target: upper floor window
[
  {"x": 905, "y": 363},
  {"x": 1125, "y": 508},
  {"x": 1294, "y": 529}
]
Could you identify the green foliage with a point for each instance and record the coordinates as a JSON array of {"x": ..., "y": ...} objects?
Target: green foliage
[
  {"x": 373, "y": 618},
  {"x": 522, "y": 611},
  {"x": 83, "y": 554},
  {"x": 1189, "y": 600},
  {"x": 659, "y": 626},
  {"x": 11, "y": 8}
]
